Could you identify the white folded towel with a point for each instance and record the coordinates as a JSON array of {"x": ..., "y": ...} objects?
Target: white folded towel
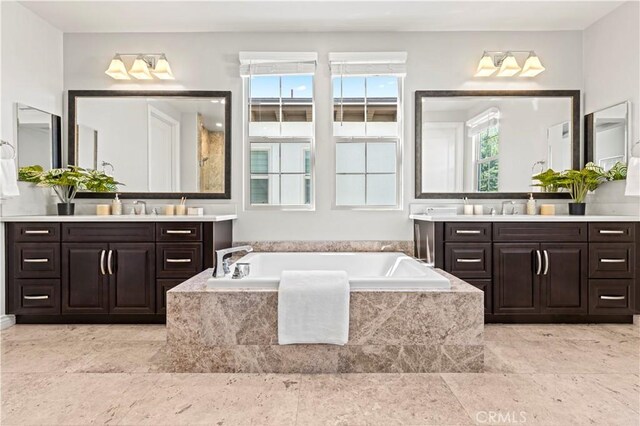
[
  {"x": 633, "y": 177},
  {"x": 8, "y": 178},
  {"x": 313, "y": 307}
]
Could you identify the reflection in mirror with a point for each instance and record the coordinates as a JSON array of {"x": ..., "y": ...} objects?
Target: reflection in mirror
[
  {"x": 157, "y": 144},
  {"x": 38, "y": 135},
  {"x": 607, "y": 135},
  {"x": 488, "y": 144}
]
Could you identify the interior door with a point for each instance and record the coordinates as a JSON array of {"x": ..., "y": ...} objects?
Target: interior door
[
  {"x": 442, "y": 167},
  {"x": 85, "y": 278},
  {"x": 564, "y": 278},
  {"x": 516, "y": 281},
  {"x": 164, "y": 144},
  {"x": 132, "y": 278}
]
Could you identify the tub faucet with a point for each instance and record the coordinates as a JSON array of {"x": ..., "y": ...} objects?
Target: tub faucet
[
  {"x": 222, "y": 264},
  {"x": 504, "y": 211}
]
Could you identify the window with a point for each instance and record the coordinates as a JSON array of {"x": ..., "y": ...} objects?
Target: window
[
  {"x": 485, "y": 135},
  {"x": 367, "y": 130},
  {"x": 280, "y": 129}
]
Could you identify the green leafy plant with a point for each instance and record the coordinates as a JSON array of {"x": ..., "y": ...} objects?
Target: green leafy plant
[
  {"x": 617, "y": 172},
  {"x": 66, "y": 182},
  {"x": 580, "y": 182},
  {"x": 549, "y": 180}
]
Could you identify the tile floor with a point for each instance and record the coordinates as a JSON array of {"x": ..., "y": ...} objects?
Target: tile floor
[{"x": 114, "y": 374}]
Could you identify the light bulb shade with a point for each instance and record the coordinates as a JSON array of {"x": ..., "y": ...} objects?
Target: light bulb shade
[
  {"x": 117, "y": 70},
  {"x": 140, "y": 69},
  {"x": 509, "y": 66},
  {"x": 162, "y": 69},
  {"x": 486, "y": 67},
  {"x": 532, "y": 66}
]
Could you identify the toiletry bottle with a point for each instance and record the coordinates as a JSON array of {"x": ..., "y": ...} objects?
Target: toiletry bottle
[
  {"x": 116, "y": 206},
  {"x": 531, "y": 205}
]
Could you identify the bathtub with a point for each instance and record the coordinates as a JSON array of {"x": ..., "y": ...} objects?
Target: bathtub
[{"x": 367, "y": 271}]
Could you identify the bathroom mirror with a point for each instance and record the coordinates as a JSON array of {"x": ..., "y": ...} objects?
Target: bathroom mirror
[
  {"x": 39, "y": 137},
  {"x": 160, "y": 144},
  {"x": 489, "y": 144},
  {"x": 607, "y": 135}
]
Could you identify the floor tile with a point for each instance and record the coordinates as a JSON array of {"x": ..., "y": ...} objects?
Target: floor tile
[
  {"x": 378, "y": 399},
  {"x": 45, "y": 357}
]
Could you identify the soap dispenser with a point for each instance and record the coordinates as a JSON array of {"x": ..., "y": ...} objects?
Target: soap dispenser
[
  {"x": 116, "y": 206},
  {"x": 531, "y": 205}
]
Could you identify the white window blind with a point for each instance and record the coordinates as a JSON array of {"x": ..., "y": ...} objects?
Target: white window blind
[
  {"x": 277, "y": 63},
  {"x": 368, "y": 63}
]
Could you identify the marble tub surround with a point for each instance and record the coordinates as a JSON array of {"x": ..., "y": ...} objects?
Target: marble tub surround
[
  {"x": 401, "y": 246},
  {"x": 403, "y": 331}
]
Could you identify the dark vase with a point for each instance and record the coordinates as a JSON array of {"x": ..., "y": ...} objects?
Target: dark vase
[
  {"x": 66, "y": 209},
  {"x": 577, "y": 209}
]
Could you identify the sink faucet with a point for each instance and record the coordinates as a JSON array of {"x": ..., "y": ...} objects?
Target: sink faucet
[
  {"x": 504, "y": 211},
  {"x": 143, "y": 209},
  {"x": 222, "y": 264}
]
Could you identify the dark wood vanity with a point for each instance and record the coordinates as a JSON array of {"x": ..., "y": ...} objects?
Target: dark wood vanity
[
  {"x": 113, "y": 272},
  {"x": 541, "y": 271}
]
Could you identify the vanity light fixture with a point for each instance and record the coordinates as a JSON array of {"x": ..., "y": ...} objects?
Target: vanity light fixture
[
  {"x": 145, "y": 67},
  {"x": 507, "y": 65}
]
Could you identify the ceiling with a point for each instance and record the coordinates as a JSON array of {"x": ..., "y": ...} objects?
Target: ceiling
[{"x": 301, "y": 15}]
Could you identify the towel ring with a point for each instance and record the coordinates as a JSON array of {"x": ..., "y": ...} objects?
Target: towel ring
[{"x": 13, "y": 149}]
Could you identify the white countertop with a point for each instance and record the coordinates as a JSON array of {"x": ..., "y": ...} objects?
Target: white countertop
[
  {"x": 522, "y": 218},
  {"x": 122, "y": 218}
]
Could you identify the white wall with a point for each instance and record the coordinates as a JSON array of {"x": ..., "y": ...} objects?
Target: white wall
[
  {"x": 611, "y": 75},
  {"x": 31, "y": 64},
  {"x": 209, "y": 61}
]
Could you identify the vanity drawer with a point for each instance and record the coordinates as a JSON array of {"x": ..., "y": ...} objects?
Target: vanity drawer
[
  {"x": 36, "y": 260},
  {"x": 108, "y": 232},
  {"x": 611, "y": 260},
  {"x": 610, "y": 297},
  {"x": 611, "y": 232},
  {"x": 540, "y": 232},
  {"x": 162, "y": 286},
  {"x": 179, "y": 231},
  {"x": 466, "y": 260},
  {"x": 487, "y": 287},
  {"x": 467, "y": 231},
  {"x": 178, "y": 260},
  {"x": 37, "y": 232},
  {"x": 36, "y": 297}
]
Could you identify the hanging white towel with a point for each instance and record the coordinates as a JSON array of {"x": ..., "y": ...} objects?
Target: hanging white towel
[
  {"x": 633, "y": 177},
  {"x": 313, "y": 307},
  {"x": 8, "y": 178}
]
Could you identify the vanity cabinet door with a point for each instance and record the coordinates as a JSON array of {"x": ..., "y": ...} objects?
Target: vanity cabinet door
[
  {"x": 516, "y": 288},
  {"x": 564, "y": 280},
  {"x": 85, "y": 278},
  {"x": 132, "y": 278}
]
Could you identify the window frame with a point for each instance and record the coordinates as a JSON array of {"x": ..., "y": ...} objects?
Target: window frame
[
  {"x": 248, "y": 140},
  {"x": 398, "y": 140},
  {"x": 476, "y": 140}
]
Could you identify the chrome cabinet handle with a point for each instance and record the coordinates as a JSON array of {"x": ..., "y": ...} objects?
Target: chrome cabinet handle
[
  {"x": 469, "y": 260},
  {"x": 36, "y": 231},
  {"x": 178, "y": 260},
  {"x": 611, "y": 231},
  {"x": 612, "y": 297},
  {"x": 546, "y": 262},
  {"x": 178, "y": 231},
  {"x": 467, "y": 231},
  {"x": 35, "y": 260},
  {"x": 613, "y": 260},
  {"x": 109, "y": 262},
  {"x": 102, "y": 253},
  {"x": 43, "y": 297},
  {"x": 539, "y": 267}
]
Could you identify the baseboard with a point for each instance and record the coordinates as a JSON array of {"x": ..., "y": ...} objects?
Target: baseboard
[{"x": 7, "y": 321}]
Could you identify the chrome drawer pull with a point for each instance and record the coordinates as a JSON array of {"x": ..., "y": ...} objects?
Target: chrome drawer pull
[
  {"x": 36, "y": 231},
  {"x": 178, "y": 231},
  {"x": 613, "y": 260},
  {"x": 611, "y": 231},
  {"x": 43, "y": 297},
  {"x": 35, "y": 260},
  {"x": 466, "y": 231},
  {"x": 612, "y": 297},
  {"x": 469, "y": 260},
  {"x": 178, "y": 260}
]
